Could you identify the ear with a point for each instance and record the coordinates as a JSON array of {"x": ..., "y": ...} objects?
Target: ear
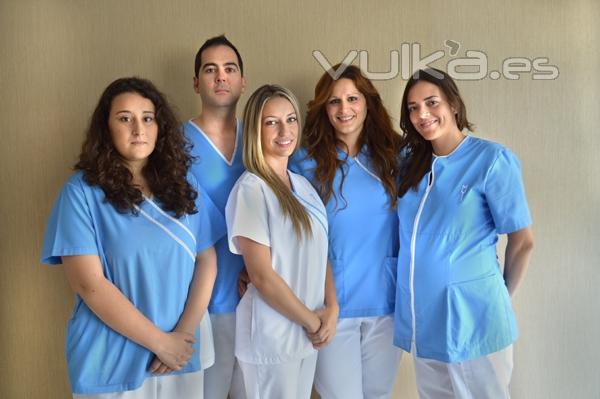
[
  {"x": 196, "y": 85},
  {"x": 243, "y": 84}
]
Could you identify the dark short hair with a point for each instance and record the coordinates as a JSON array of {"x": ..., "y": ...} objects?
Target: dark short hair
[{"x": 220, "y": 40}]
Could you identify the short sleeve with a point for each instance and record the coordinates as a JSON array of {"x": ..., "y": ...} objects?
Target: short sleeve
[
  {"x": 211, "y": 226},
  {"x": 70, "y": 230},
  {"x": 505, "y": 194},
  {"x": 246, "y": 214}
]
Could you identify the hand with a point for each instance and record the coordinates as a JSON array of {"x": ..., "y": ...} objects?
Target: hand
[
  {"x": 243, "y": 281},
  {"x": 323, "y": 336},
  {"x": 158, "y": 367},
  {"x": 173, "y": 351}
]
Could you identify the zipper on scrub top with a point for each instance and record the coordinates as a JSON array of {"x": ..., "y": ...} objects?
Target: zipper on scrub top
[{"x": 413, "y": 239}]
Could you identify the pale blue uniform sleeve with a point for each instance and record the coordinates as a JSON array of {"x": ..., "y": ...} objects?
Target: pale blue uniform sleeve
[
  {"x": 70, "y": 229},
  {"x": 247, "y": 215},
  {"x": 211, "y": 227},
  {"x": 505, "y": 194}
]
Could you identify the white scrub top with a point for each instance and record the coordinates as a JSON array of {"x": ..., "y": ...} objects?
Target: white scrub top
[
  {"x": 149, "y": 257},
  {"x": 217, "y": 175},
  {"x": 263, "y": 335},
  {"x": 452, "y": 303}
]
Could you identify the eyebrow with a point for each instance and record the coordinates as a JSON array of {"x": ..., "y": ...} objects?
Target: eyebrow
[
  {"x": 425, "y": 99},
  {"x": 273, "y": 116},
  {"x": 130, "y": 112},
  {"x": 215, "y": 65}
]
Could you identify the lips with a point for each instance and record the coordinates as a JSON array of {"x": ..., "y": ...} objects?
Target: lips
[
  {"x": 345, "y": 118},
  {"x": 427, "y": 124}
]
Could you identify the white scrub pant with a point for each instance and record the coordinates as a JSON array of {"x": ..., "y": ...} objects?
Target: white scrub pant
[
  {"x": 182, "y": 386},
  {"x": 207, "y": 347},
  {"x": 360, "y": 362},
  {"x": 292, "y": 380},
  {"x": 485, "y": 377},
  {"x": 225, "y": 376}
]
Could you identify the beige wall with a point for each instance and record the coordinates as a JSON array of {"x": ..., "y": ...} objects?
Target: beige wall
[{"x": 57, "y": 56}]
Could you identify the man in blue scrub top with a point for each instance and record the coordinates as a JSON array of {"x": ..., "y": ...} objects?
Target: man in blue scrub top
[{"x": 216, "y": 136}]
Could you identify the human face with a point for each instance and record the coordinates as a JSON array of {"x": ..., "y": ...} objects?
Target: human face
[
  {"x": 220, "y": 82},
  {"x": 433, "y": 117},
  {"x": 133, "y": 128},
  {"x": 347, "y": 110},
  {"x": 279, "y": 131}
]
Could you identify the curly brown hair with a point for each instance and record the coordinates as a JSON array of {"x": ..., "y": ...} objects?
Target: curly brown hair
[
  {"x": 418, "y": 150},
  {"x": 382, "y": 142},
  {"x": 167, "y": 166}
]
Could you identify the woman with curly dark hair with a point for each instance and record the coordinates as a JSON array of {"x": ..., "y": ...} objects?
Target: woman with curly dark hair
[
  {"x": 351, "y": 156},
  {"x": 134, "y": 234}
]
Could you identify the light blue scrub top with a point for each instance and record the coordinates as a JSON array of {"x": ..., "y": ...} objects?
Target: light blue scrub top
[
  {"x": 452, "y": 301},
  {"x": 149, "y": 257},
  {"x": 217, "y": 176},
  {"x": 363, "y": 236}
]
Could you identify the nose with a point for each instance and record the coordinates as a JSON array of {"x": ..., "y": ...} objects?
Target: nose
[
  {"x": 423, "y": 112},
  {"x": 344, "y": 105},
  {"x": 221, "y": 75},
  {"x": 137, "y": 128}
]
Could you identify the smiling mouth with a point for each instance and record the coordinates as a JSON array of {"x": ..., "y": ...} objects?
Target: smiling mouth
[
  {"x": 427, "y": 124},
  {"x": 345, "y": 119},
  {"x": 284, "y": 143}
]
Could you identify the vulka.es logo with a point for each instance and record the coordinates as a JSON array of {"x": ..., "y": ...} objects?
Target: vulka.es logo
[{"x": 474, "y": 66}]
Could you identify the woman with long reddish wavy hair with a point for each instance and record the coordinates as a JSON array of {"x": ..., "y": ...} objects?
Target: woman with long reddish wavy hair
[
  {"x": 135, "y": 236},
  {"x": 351, "y": 156}
]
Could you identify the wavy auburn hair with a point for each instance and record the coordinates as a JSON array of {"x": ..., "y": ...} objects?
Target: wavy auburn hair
[
  {"x": 382, "y": 142},
  {"x": 419, "y": 151},
  {"x": 167, "y": 166},
  {"x": 254, "y": 159}
]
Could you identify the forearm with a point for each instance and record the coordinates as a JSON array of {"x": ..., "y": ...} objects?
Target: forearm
[
  {"x": 519, "y": 249},
  {"x": 200, "y": 291},
  {"x": 330, "y": 293},
  {"x": 277, "y": 293},
  {"x": 116, "y": 311}
]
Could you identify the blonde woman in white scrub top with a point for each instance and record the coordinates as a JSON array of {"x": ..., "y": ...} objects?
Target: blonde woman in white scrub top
[{"x": 277, "y": 222}]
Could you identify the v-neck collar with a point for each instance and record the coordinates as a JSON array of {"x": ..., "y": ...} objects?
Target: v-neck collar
[{"x": 223, "y": 157}]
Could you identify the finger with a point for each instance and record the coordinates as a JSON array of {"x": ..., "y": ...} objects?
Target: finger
[{"x": 154, "y": 365}]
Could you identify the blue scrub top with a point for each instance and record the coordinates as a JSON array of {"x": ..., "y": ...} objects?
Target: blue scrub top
[
  {"x": 149, "y": 257},
  {"x": 217, "y": 175},
  {"x": 452, "y": 302},
  {"x": 363, "y": 236}
]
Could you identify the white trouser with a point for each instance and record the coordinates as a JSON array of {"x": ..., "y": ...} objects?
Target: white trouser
[
  {"x": 182, "y": 386},
  {"x": 292, "y": 380},
  {"x": 485, "y": 377},
  {"x": 225, "y": 376},
  {"x": 360, "y": 362},
  {"x": 207, "y": 347}
]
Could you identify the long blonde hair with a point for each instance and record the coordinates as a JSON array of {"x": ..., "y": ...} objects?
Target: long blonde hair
[{"x": 255, "y": 162}]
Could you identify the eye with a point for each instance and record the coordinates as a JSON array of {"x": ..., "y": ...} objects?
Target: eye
[
  {"x": 334, "y": 101},
  {"x": 209, "y": 69},
  {"x": 124, "y": 118},
  {"x": 148, "y": 118},
  {"x": 412, "y": 108},
  {"x": 352, "y": 99},
  {"x": 432, "y": 103},
  {"x": 270, "y": 122},
  {"x": 292, "y": 119},
  {"x": 231, "y": 69}
]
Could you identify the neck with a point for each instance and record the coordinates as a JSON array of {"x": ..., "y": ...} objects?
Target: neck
[
  {"x": 219, "y": 118},
  {"x": 351, "y": 142},
  {"x": 445, "y": 145},
  {"x": 138, "y": 178},
  {"x": 279, "y": 166}
]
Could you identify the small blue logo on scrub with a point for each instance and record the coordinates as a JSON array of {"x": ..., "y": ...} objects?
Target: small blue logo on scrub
[{"x": 463, "y": 191}]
